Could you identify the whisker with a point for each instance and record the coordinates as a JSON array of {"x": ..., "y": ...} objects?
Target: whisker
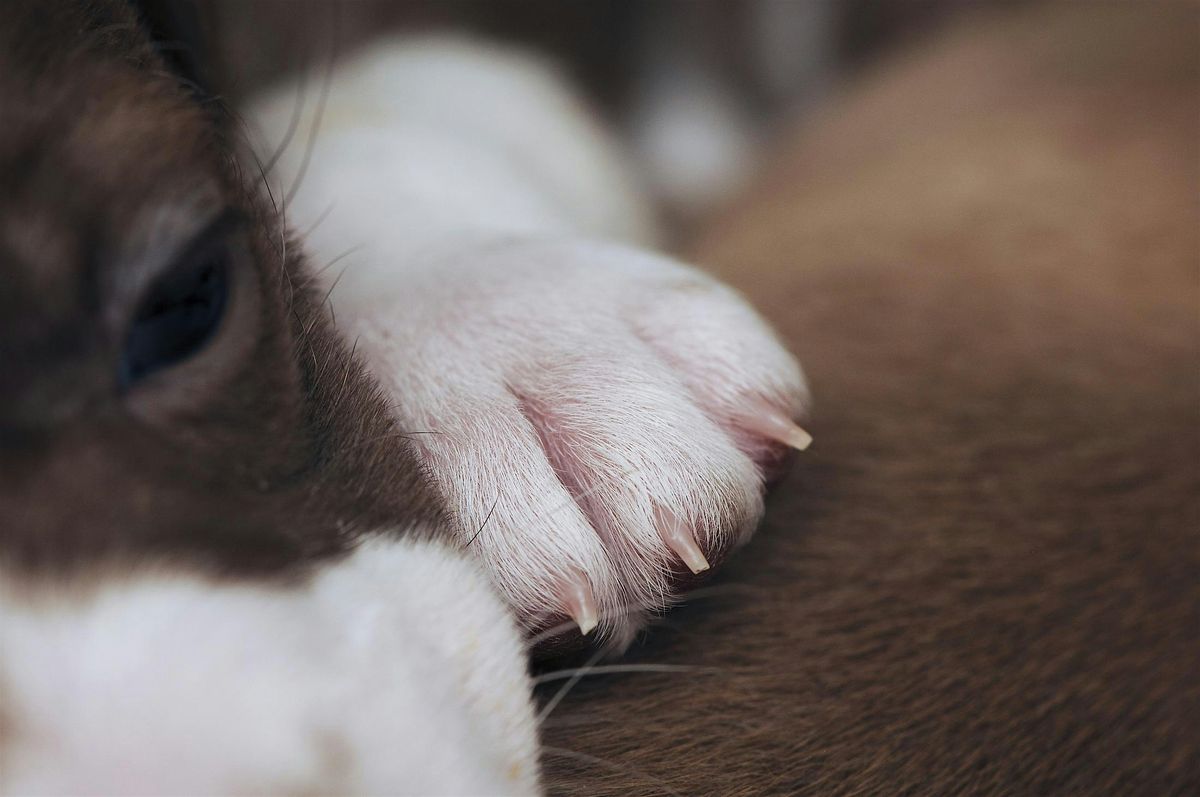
[
  {"x": 620, "y": 611},
  {"x": 329, "y": 292},
  {"x": 283, "y": 241},
  {"x": 319, "y": 115},
  {"x": 262, "y": 176},
  {"x": 323, "y": 215},
  {"x": 619, "y": 669},
  {"x": 281, "y": 248},
  {"x": 552, "y": 631},
  {"x": 313, "y": 277},
  {"x": 591, "y": 759},
  {"x": 575, "y": 678},
  {"x": 293, "y": 122}
]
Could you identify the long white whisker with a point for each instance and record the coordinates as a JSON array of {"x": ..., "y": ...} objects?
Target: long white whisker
[
  {"x": 568, "y": 686},
  {"x": 619, "y": 669}
]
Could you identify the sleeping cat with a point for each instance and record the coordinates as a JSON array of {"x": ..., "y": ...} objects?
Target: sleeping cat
[{"x": 299, "y": 456}]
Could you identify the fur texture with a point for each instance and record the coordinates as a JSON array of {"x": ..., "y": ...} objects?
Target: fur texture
[
  {"x": 202, "y": 573},
  {"x": 224, "y": 573},
  {"x": 984, "y": 578},
  {"x": 566, "y": 391},
  {"x": 393, "y": 671}
]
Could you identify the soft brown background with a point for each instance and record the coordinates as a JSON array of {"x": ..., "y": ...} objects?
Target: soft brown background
[{"x": 984, "y": 577}]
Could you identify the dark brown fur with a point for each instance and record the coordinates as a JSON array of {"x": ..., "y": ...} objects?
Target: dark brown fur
[
  {"x": 984, "y": 577},
  {"x": 284, "y": 458}
]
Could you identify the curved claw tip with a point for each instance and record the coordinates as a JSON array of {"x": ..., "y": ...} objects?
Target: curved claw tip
[
  {"x": 780, "y": 428},
  {"x": 680, "y": 538},
  {"x": 579, "y": 603},
  {"x": 798, "y": 438}
]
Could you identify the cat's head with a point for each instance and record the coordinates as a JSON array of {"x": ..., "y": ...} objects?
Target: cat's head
[
  {"x": 172, "y": 386},
  {"x": 189, "y": 457}
]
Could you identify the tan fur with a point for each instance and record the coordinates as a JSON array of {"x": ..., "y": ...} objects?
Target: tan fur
[{"x": 985, "y": 575}]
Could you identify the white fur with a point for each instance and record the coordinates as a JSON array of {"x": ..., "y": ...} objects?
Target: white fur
[
  {"x": 437, "y": 136},
  {"x": 394, "y": 672},
  {"x": 633, "y": 363},
  {"x": 476, "y": 190}
]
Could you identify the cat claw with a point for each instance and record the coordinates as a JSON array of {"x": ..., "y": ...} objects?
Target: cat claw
[
  {"x": 580, "y": 604},
  {"x": 777, "y": 426},
  {"x": 680, "y": 538}
]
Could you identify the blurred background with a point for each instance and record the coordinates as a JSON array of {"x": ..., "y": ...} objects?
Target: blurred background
[{"x": 698, "y": 88}]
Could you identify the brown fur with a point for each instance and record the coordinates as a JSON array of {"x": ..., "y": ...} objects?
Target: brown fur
[
  {"x": 284, "y": 457},
  {"x": 984, "y": 577}
]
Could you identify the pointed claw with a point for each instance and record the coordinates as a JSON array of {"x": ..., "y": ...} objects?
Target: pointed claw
[
  {"x": 680, "y": 538},
  {"x": 579, "y": 603},
  {"x": 772, "y": 423}
]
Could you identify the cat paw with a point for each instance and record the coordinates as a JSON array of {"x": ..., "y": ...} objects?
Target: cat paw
[{"x": 601, "y": 420}]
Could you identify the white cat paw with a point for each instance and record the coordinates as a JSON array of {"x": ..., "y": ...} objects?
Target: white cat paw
[{"x": 601, "y": 420}]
